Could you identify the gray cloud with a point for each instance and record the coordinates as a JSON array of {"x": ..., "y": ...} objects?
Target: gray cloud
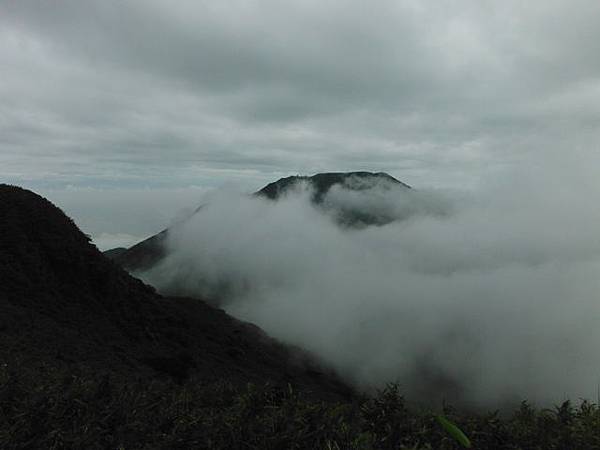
[
  {"x": 487, "y": 297},
  {"x": 147, "y": 92},
  {"x": 105, "y": 213}
]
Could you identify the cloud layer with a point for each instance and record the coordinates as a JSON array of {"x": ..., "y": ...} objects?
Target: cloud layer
[
  {"x": 150, "y": 93},
  {"x": 485, "y": 298}
]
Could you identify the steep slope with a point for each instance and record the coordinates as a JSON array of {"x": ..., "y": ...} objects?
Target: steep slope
[
  {"x": 114, "y": 252},
  {"x": 63, "y": 304},
  {"x": 149, "y": 252},
  {"x": 143, "y": 255}
]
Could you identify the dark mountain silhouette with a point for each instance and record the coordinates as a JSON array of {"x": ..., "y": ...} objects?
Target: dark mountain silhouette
[
  {"x": 149, "y": 252},
  {"x": 323, "y": 182},
  {"x": 63, "y": 304},
  {"x": 115, "y": 252},
  {"x": 143, "y": 255}
]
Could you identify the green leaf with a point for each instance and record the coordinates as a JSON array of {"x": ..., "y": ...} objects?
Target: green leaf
[{"x": 454, "y": 431}]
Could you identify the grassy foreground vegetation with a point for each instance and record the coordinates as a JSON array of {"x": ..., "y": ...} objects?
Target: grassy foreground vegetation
[{"x": 59, "y": 409}]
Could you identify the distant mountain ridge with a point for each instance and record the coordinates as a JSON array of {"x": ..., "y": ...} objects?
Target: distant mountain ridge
[
  {"x": 149, "y": 252},
  {"x": 323, "y": 182},
  {"x": 115, "y": 252},
  {"x": 63, "y": 304}
]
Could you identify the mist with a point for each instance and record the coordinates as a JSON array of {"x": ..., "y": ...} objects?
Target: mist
[{"x": 482, "y": 297}]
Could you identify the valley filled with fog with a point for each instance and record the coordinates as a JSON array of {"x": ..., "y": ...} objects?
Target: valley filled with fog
[{"x": 482, "y": 297}]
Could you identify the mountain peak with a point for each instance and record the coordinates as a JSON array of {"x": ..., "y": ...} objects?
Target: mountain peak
[
  {"x": 322, "y": 182},
  {"x": 149, "y": 252}
]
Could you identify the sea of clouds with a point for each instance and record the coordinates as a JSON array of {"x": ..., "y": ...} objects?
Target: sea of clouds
[{"x": 480, "y": 297}]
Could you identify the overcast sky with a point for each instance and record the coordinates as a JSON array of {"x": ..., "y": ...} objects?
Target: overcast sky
[{"x": 124, "y": 112}]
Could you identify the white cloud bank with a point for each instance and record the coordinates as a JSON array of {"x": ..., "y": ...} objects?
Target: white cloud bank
[{"x": 485, "y": 298}]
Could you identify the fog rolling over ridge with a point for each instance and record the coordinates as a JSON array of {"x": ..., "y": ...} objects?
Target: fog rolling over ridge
[{"x": 484, "y": 297}]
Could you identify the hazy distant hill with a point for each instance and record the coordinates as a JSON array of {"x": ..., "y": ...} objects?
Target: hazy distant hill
[
  {"x": 323, "y": 182},
  {"x": 115, "y": 252},
  {"x": 147, "y": 253},
  {"x": 63, "y": 304}
]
